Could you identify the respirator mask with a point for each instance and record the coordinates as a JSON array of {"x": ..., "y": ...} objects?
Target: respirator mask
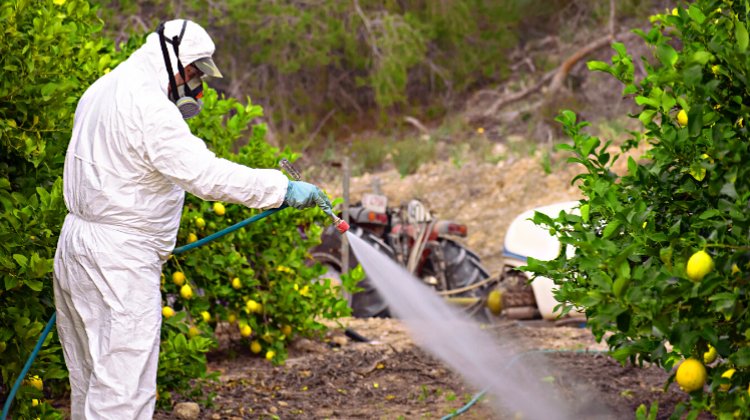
[{"x": 188, "y": 95}]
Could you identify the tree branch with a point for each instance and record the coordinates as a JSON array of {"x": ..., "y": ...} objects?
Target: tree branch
[{"x": 558, "y": 75}]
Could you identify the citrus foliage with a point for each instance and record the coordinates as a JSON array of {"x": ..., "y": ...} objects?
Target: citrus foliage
[
  {"x": 689, "y": 193},
  {"x": 48, "y": 56},
  {"x": 50, "y": 52}
]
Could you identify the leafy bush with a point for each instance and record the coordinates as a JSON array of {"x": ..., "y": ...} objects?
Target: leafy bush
[
  {"x": 637, "y": 232},
  {"x": 49, "y": 56},
  {"x": 369, "y": 153},
  {"x": 409, "y": 154}
]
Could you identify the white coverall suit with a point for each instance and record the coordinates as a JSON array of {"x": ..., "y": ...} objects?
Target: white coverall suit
[{"x": 130, "y": 160}]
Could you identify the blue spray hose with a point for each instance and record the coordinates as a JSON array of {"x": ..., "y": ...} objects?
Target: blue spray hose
[{"x": 179, "y": 250}]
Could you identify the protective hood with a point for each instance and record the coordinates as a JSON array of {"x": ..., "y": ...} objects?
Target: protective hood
[{"x": 195, "y": 44}]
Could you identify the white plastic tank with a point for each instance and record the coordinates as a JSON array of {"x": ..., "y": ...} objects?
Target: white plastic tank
[{"x": 525, "y": 239}]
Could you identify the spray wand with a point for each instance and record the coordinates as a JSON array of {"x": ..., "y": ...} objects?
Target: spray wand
[{"x": 340, "y": 224}]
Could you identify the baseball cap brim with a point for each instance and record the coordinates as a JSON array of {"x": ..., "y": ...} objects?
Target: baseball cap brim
[{"x": 207, "y": 66}]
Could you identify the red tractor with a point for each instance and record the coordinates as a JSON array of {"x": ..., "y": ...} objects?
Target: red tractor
[{"x": 409, "y": 235}]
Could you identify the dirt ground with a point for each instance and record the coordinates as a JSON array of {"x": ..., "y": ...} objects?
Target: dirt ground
[{"x": 390, "y": 378}]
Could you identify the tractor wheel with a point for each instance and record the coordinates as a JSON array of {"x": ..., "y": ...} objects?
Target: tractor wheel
[{"x": 462, "y": 268}]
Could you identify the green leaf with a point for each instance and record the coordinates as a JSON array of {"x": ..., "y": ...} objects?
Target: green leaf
[
  {"x": 665, "y": 255},
  {"x": 740, "y": 34},
  {"x": 585, "y": 212},
  {"x": 697, "y": 171},
  {"x": 702, "y": 57},
  {"x": 11, "y": 282},
  {"x": 642, "y": 100},
  {"x": 708, "y": 214},
  {"x": 21, "y": 260},
  {"x": 741, "y": 358},
  {"x": 695, "y": 13},
  {"x": 610, "y": 229},
  {"x": 729, "y": 190},
  {"x": 646, "y": 116},
  {"x": 599, "y": 66},
  {"x": 667, "y": 55},
  {"x": 623, "y": 269},
  {"x": 34, "y": 285}
]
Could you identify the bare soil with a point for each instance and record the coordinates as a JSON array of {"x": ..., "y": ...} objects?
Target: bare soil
[{"x": 389, "y": 377}]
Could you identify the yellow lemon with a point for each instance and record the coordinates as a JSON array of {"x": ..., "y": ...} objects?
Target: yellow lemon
[
  {"x": 219, "y": 209},
  {"x": 691, "y": 375},
  {"x": 495, "y": 302},
  {"x": 163, "y": 279},
  {"x": 252, "y": 306},
  {"x": 200, "y": 223},
  {"x": 246, "y": 331},
  {"x": 259, "y": 308},
  {"x": 270, "y": 354},
  {"x": 34, "y": 402},
  {"x": 232, "y": 318},
  {"x": 206, "y": 316},
  {"x": 735, "y": 269},
  {"x": 480, "y": 130},
  {"x": 178, "y": 278},
  {"x": 186, "y": 292},
  {"x": 36, "y": 382},
  {"x": 236, "y": 283},
  {"x": 675, "y": 12},
  {"x": 728, "y": 375},
  {"x": 699, "y": 265},
  {"x": 286, "y": 330},
  {"x": 193, "y": 331},
  {"x": 3, "y": 346},
  {"x": 255, "y": 347},
  {"x": 167, "y": 312},
  {"x": 710, "y": 355},
  {"x": 682, "y": 118},
  {"x": 192, "y": 238}
]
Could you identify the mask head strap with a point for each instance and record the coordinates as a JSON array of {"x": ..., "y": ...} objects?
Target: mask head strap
[{"x": 175, "y": 41}]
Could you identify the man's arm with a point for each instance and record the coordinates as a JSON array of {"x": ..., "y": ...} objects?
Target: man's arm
[{"x": 185, "y": 160}]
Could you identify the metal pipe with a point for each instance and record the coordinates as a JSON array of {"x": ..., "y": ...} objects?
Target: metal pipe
[
  {"x": 344, "y": 238},
  {"x": 462, "y": 301}
]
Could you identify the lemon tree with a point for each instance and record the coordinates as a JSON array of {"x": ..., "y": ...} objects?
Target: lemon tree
[
  {"x": 661, "y": 250},
  {"x": 49, "y": 54}
]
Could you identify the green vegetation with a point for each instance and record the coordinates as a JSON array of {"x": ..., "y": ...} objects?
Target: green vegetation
[
  {"x": 49, "y": 55},
  {"x": 639, "y": 267},
  {"x": 360, "y": 60}
]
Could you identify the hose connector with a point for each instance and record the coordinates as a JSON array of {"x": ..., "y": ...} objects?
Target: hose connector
[{"x": 340, "y": 224}]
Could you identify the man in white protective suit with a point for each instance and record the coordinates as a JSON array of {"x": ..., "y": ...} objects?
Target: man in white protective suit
[{"x": 130, "y": 160}]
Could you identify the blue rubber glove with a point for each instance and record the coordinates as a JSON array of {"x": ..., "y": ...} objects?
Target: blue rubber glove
[{"x": 302, "y": 195}]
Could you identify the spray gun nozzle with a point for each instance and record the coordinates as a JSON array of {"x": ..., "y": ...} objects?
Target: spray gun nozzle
[{"x": 340, "y": 224}]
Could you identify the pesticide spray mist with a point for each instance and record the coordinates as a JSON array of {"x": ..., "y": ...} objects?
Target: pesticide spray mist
[{"x": 487, "y": 364}]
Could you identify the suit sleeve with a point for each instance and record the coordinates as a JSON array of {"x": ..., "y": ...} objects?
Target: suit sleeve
[{"x": 185, "y": 160}]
